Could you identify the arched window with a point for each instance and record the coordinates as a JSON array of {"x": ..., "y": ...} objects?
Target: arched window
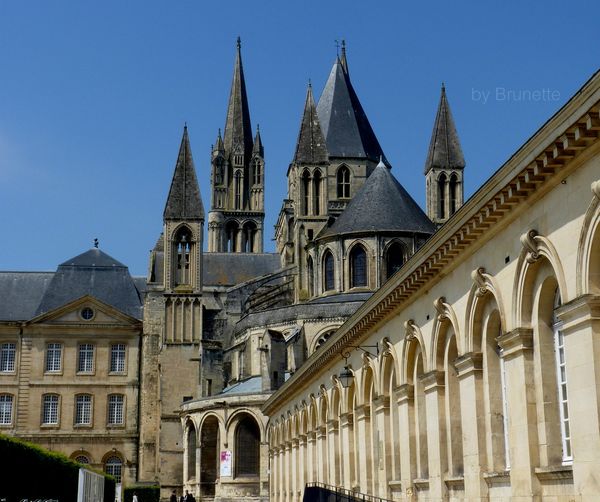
[
  {"x": 394, "y": 259},
  {"x": 561, "y": 377},
  {"x": 358, "y": 267},
  {"x": 247, "y": 448},
  {"x": 328, "y": 272},
  {"x": 317, "y": 193},
  {"x": 231, "y": 237},
  {"x": 442, "y": 196},
  {"x": 238, "y": 190},
  {"x": 191, "y": 451},
  {"x": 209, "y": 456},
  {"x": 323, "y": 338},
  {"x": 82, "y": 459},
  {"x": 305, "y": 196},
  {"x": 310, "y": 276},
  {"x": 248, "y": 237},
  {"x": 114, "y": 467},
  {"x": 453, "y": 189},
  {"x": 182, "y": 251},
  {"x": 257, "y": 174},
  {"x": 219, "y": 171},
  {"x": 343, "y": 183}
]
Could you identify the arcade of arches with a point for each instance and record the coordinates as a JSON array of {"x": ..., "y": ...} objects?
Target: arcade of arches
[{"x": 486, "y": 385}]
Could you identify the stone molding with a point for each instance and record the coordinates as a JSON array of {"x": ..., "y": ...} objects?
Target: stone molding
[{"x": 516, "y": 342}]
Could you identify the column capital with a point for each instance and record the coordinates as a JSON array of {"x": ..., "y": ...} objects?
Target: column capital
[
  {"x": 362, "y": 412},
  {"x": 332, "y": 425},
  {"x": 433, "y": 380},
  {"x": 516, "y": 342},
  {"x": 346, "y": 419},
  {"x": 405, "y": 392},
  {"x": 468, "y": 364},
  {"x": 579, "y": 312},
  {"x": 381, "y": 403}
]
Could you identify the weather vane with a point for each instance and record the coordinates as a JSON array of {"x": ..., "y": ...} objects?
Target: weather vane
[{"x": 96, "y": 243}]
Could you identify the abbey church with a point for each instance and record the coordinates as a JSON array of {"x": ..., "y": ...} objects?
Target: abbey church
[{"x": 383, "y": 350}]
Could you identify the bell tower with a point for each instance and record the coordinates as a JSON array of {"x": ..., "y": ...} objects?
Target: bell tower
[{"x": 236, "y": 217}]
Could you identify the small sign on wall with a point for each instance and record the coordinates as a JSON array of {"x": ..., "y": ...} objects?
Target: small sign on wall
[{"x": 226, "y": 463}]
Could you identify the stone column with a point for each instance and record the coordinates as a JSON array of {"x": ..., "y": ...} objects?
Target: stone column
[
  {"x": 382, "y": 464},
  {"x": 333, "y": 453},
  {"x": 433, "y": 383},
  {"x": 294, "y": 470},
  {"x": 470, "y": 376},
  {"x": 581, "y": 330},
  {"x": 303, "y": 463},
  {"x": 347, "y": 447},
  {"x": 288, "y": 471},
  {"x": 364, "y": 458},
  {"x": 272, "y": 474},
  {"x": 322, "y": 455},
  {"x": 311, "y": 468},
  {"x": 517, "y": 346},
  {"x": 406, "y": 418},
  {"x": 258, "y": 240}
]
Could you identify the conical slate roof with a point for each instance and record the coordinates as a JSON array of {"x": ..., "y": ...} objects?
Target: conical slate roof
[
  {"x": 381, "y": 204},
  {"x": 345, "y": 125},
  {"x": 238, "y": 130},
  {"x": 96, "y": 274},
  {"x": 444, "y": 149},
  {"x": 184, "y": 201},
  {"x": 310, "y": 148}
]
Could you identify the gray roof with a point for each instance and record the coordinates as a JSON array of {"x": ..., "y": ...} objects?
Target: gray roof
[
  {"x": 238, "y": 130},
  {"x": 344, "y": 123},
  {"x": 444, "y": 149},
  {"x": 21, "y": 293},
  {"x": 340, "y": 307},
  {"x": 184, "y": 201},
  {"x": 229, "y": 269},
  {"x": 96, "y": 274},
  {"x": 381, "y": 204},
  {"x": 310, "y": 147},
  {"x": 252, "y": 385}
]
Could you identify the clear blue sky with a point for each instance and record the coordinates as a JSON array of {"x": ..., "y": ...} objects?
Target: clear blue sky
[{"x": 94, "y": 95}]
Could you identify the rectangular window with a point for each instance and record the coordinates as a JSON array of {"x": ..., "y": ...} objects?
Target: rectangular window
[
  {"x": 7, "y": 356},
  {"x": 53, "y": 357},
  {"x": 6, "y": 401},
  {"x": 50, "y": 410},
  {"x": 117, "y": 358},
  {"x": 86, "y": 358},
  {"x": 83, "y": 410},
  {"x": 115, "y": 409},
  {"x": 563, "y": 403}
]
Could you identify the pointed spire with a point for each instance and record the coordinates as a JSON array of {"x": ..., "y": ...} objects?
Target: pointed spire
[
  {"x": 258, "y": 148},
  {"x": 184, "y": 201},
  {"x": 444, "y": 149},
  {"x": 343, "y": 59},
  {"x": 219, "y": 143},
  {"x": 345, "y": 125},
  {"x": 238, "y": 132},
  {"x": 311, "y": 147}
]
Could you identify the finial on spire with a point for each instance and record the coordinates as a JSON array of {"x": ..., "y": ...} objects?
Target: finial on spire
[
  {"x": 337, "y": 47},
  {"x": 257, "y": 127},
  {"x": 309, "y": 84},
  {"x": 239, "y": 42},
  {"x": 343, "y": 59},
  {"x": 185, "y": 126},
  {"x": 96, "y": 243},
  {"x": 443, "y": 87}
]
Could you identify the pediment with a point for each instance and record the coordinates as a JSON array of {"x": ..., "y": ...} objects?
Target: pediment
[{"x": 85, "y": 311}]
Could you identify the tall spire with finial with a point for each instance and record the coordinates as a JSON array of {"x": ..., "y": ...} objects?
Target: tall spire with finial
[
  {"x": 238, "y": 131},
  {"x": 343, "y": 59},
  {"x": 310, "y": 147}
]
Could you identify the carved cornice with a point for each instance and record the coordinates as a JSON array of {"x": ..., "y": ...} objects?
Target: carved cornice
[
  {"x": 548, "y": 153},
  {"x": 468, "y": 364},
  {"x": 405, "y": 392},
  {"x": 433, "y": 380}
]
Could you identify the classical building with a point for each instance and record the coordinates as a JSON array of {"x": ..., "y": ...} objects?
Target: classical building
[{"x": 478, "y": 374}]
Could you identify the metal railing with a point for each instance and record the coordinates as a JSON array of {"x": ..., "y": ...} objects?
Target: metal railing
[{"x": 320, "y": 492}]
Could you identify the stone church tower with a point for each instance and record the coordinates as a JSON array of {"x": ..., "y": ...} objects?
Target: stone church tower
[
  {"x": 444, "y": 166},
  {"x": 235, "y": 220},
  {"x": 172, "y": 326}
]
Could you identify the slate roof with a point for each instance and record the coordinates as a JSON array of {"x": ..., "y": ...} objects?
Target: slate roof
[
  {"x": 21, "y": 293},
  {"x": 238, "y": 130},
  {"x": 381, "y": 204},
  {"x": 310, "y": 147},
  {"x": 444, "y": 149},
  {"x": 252, "y": 385},
  {"x": 229, "y": 269},
  {"x": 184, "y": 200},
  {"x": 93, "y": 273},
  {"x": 344, "y": 123}
]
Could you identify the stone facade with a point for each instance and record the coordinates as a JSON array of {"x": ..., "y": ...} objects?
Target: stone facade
[{"x": 486, "y": 385}]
